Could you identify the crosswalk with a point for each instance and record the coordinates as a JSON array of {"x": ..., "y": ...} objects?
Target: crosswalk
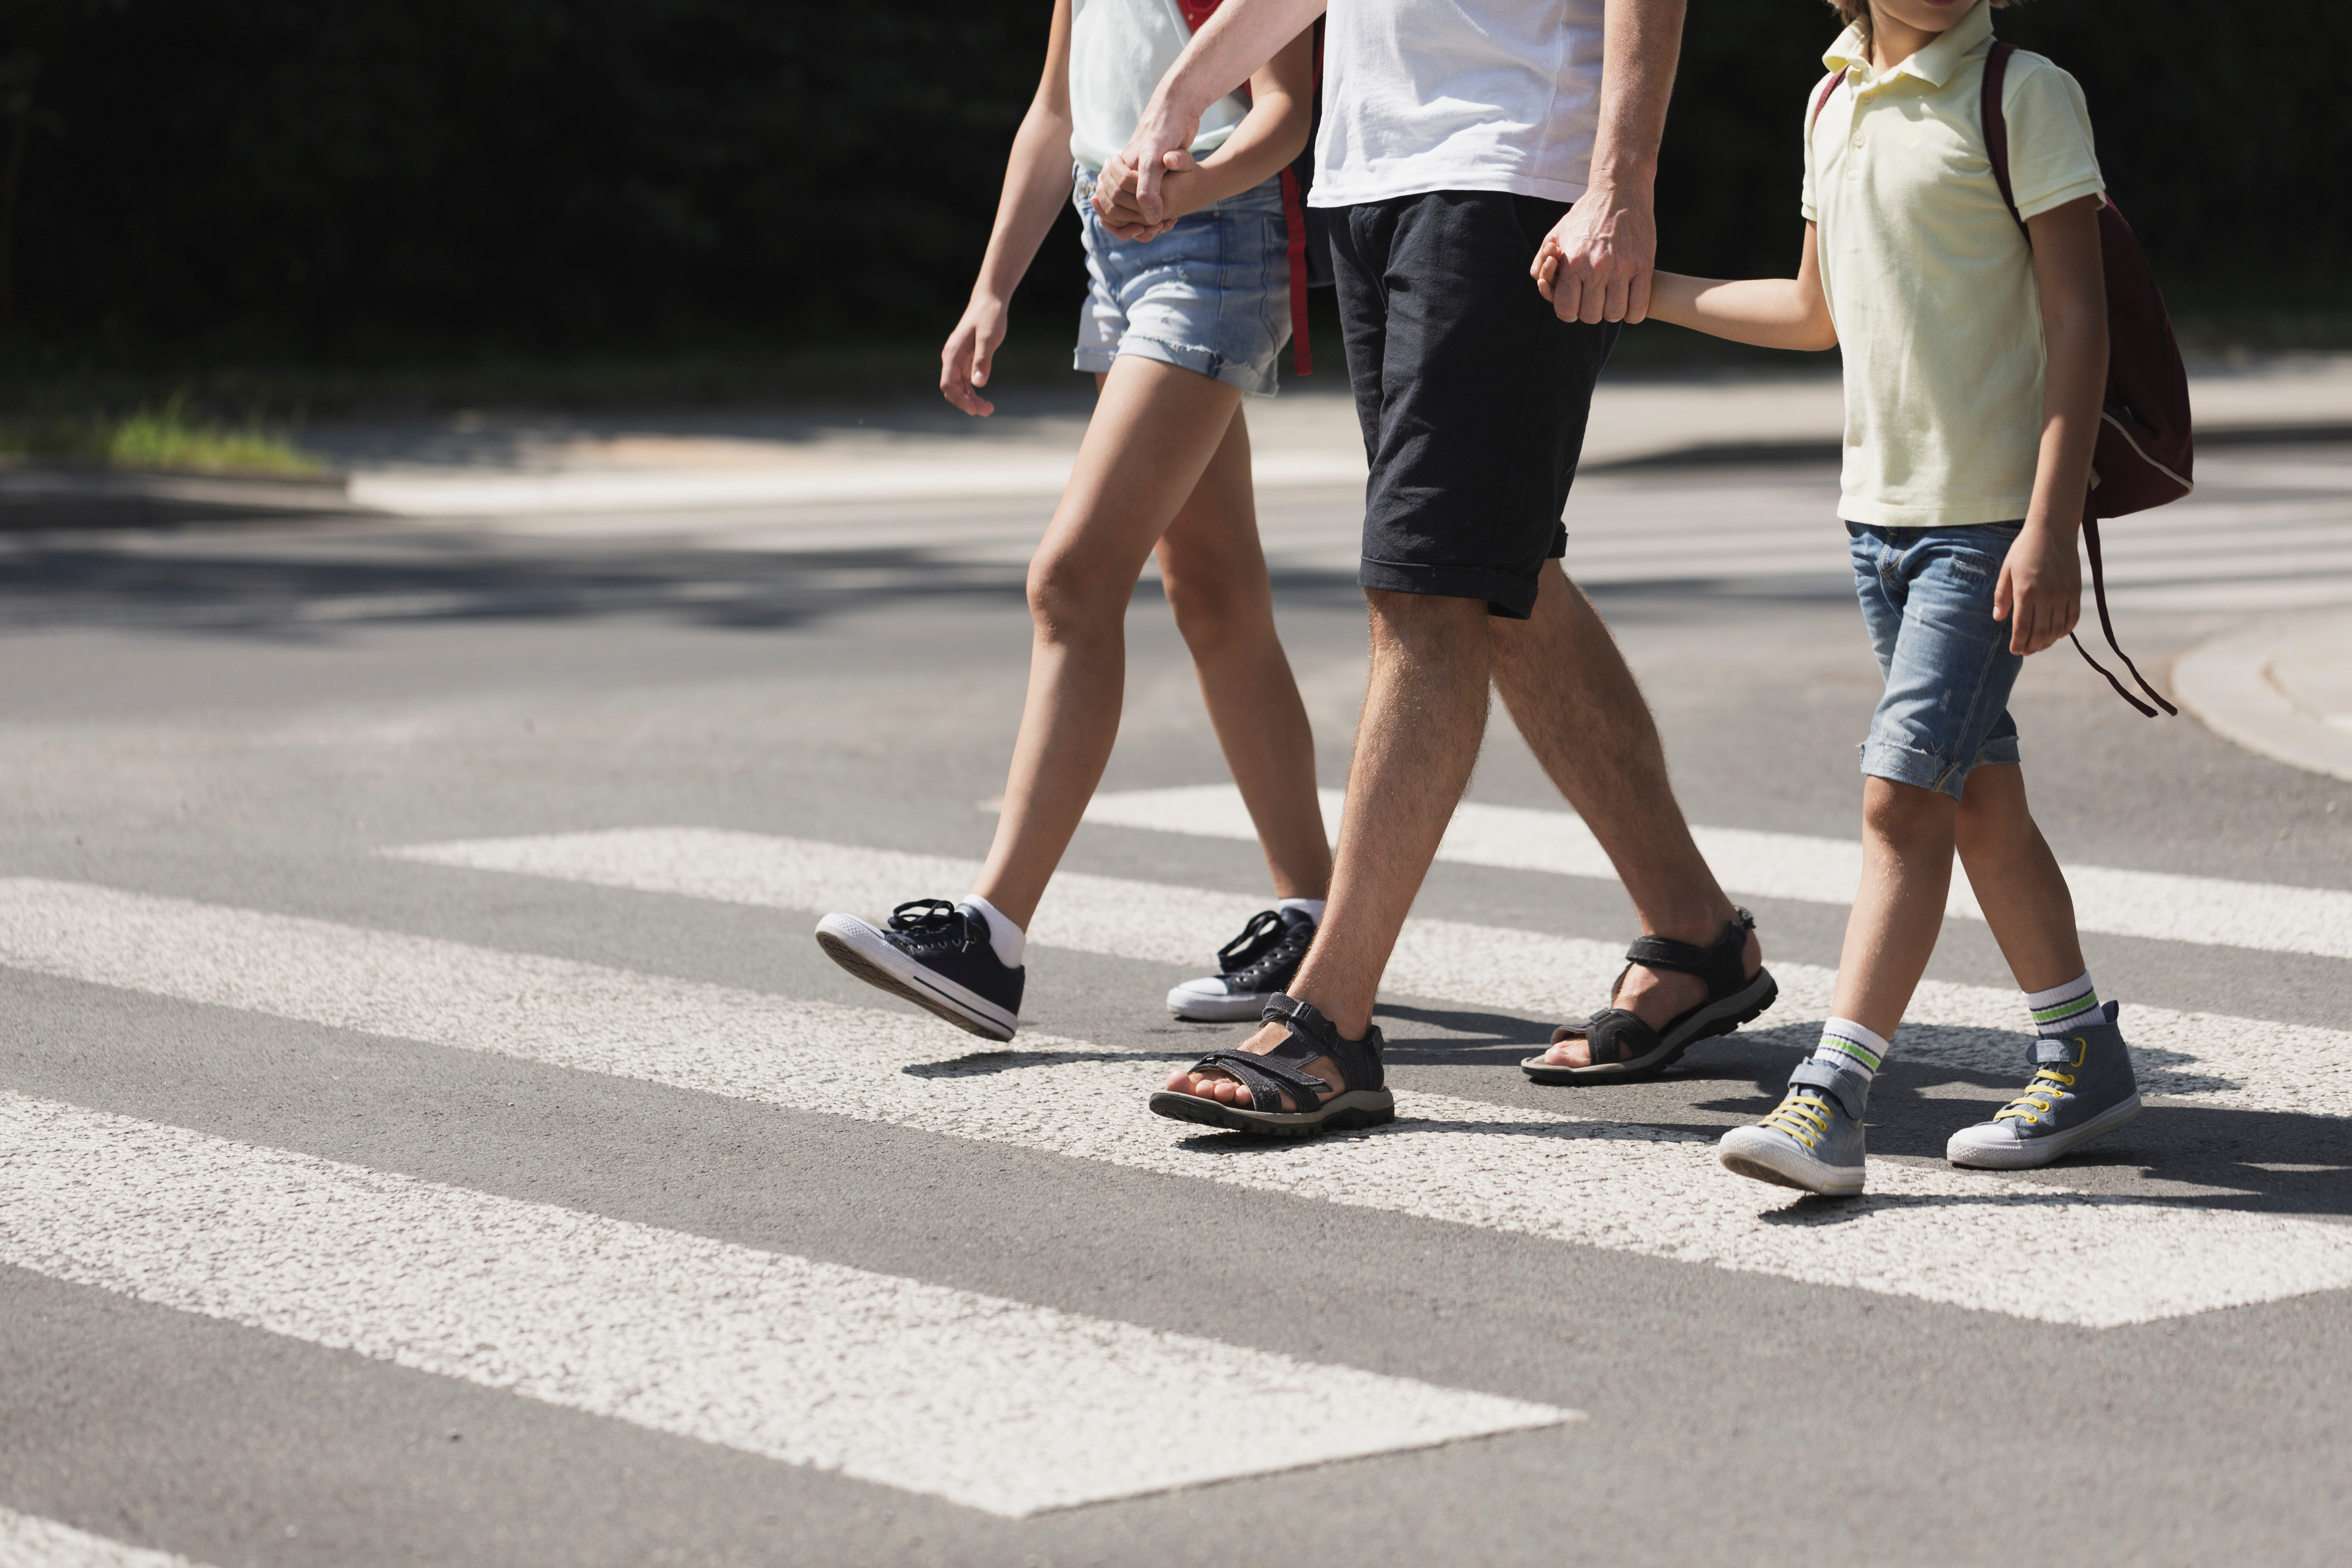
[{"x": 930, "y": 1390}]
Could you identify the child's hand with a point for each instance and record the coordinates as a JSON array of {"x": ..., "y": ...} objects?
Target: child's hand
[
  {"x": 963, "y": 364},
  {"x": 2041, "y": 590}
]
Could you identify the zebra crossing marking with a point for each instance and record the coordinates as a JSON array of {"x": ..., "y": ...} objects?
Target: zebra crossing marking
[
  {"x": 1935, "y": 1235},
  {"x": 2247, "y": 1064},
  {"x": 2267, "y": 917},
  {"x": 996, "y": 1404},
  {"x": 28, "y": 1541}
]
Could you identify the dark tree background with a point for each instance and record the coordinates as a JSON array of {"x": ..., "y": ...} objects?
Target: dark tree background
[{"x": 368, "y": 178}]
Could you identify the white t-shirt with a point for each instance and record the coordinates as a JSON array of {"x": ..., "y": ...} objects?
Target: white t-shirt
[
  {"x": 1457, "y": 95},
  {"x": 1119, "y": 51}
]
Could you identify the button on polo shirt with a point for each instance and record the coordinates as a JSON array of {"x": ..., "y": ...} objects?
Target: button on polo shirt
[{"x": 1931, "y": 285}]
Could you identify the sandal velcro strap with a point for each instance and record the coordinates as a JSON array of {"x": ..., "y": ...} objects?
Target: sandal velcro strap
[
  {"x": 1617, "y": 1035},
  {"x": 1283, "y": 1070},
  {"x": 1718, "y": 965},
  {"x": 1268, "y": 1078}
]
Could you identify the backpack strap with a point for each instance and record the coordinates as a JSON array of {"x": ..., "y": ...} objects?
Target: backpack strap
[
  {"x": 1996, "y": 135},
  {"x": 1996, "y": 129},
  {"x": 1821, "y": 98},
  {"x": 2099, "y": 594}
]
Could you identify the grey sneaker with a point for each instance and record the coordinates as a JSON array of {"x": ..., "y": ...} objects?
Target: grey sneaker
[
  {"x": 1813, "y": 1140},
  {"x": 2082, "y": 1086}
]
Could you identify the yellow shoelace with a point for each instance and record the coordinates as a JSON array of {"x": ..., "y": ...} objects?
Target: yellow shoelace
[
  {"x": 1801, "y": 1116},
  {"x": 2039, "y": 1097}
]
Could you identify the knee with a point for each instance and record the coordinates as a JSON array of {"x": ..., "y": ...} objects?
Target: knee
[
  {"x": 1410, "y": 619},
  {"x": 1906, "y": 815},
  {"x": 1213, "y": 613},
  {"x": 1072, "y": 599}
]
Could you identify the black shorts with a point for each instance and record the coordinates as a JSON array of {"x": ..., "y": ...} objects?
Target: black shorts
[{"x": 1473, "y": 396}]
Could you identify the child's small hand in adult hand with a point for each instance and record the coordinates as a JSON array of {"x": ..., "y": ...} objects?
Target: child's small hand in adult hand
[
  {"x": 2040, "y": 594},
  {"x": 964, "y": 363}
]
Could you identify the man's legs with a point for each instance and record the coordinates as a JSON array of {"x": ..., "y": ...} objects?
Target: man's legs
[
  {"x": 1568, "y": 691},
  {"x": 1424, "y": 716}
]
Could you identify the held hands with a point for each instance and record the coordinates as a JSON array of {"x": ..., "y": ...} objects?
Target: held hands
[
  {"x": 1143, "y": 165},
  {"x": 2041, "y": 590},
  {"x": 1118, "y": 201},
  {"x": 964, "y": 363},
  {"x": 1594, "y": 266}
]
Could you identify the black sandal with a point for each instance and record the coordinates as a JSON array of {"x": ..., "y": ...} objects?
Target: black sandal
[
  {"x": 1622, "y": 1045},
  {"x": 1361, "y": 1101}
]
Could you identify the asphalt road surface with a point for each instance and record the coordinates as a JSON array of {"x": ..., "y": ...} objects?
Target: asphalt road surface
[{"x": 428, "y": 1133}]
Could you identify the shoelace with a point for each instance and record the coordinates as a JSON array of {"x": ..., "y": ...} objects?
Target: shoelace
[
  {"x": 1258, "y": 938},
  {"x": 1803, "y": 1115},
  {"x": 931, "y": 923},
  {"x": 2038, "y": 1099}
]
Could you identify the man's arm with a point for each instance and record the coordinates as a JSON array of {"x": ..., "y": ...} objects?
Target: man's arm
[
  {"x": 1607, "y": 242},
  {"x": 1242, "y": 36}
]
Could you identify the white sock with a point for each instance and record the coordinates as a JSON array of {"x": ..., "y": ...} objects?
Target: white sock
[
  {"x": 1313, "y": 907},
  {"x": 1009, "y": 940},
  {"x": 2072, "y": 1006},
  {"x": 1846, "y": 1044}
]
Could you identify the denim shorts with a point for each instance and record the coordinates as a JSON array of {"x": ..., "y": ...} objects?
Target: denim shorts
[
  {"x": 1927, "y": 597},
  {"x": 1211, "y": 295}
]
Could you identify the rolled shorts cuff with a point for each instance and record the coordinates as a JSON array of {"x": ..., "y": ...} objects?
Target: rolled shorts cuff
[
  {"x": 1253, "y": 380},
  {"x": 1509, "y": 596},
  {"x": 1899, "y": 763}
]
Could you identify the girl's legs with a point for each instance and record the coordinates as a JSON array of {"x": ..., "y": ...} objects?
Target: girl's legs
[
  {"x": 2017, "y": 880},
  {"x": 1214, "y": 572},
  {"x": 1166, "y": 453}
]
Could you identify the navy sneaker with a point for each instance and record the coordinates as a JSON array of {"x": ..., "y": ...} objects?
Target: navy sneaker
[
  {"x": 1813, "y": 1139},
  {"x": 1253, "y": 970},
  {"x": 2083, "y": 1086},
  {"x": 936, "y": 955}
]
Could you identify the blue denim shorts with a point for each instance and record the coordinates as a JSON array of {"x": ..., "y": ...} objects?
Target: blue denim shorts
[
  {"x": 1927, "y": 597},
  {"x": 1211, "y": 295}
]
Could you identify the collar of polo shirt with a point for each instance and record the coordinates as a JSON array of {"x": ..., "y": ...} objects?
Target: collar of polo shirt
[{"x": 1934, "y": 64}]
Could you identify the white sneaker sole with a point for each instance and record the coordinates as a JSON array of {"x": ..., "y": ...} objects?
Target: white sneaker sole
[
  {"x": 2030, "y": 1153},
  {"x": 867, "y": 954},
  {"x": 1201, "y": 1008},
  {"x": 1777, "y": 1161}
]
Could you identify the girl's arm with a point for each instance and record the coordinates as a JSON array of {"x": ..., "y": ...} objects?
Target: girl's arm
[
  {"x": 1270, "y": 135},
  {"x": 2041, "y": 580},
  {"x": 1772, "y": 312},
  {"x": 1036, "y": 184}
]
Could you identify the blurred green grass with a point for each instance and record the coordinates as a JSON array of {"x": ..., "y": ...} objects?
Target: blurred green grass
[{"x": 160, "y": 439}]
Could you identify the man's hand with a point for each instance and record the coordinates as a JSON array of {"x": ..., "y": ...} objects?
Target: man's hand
[
  {"x": 2041, "y": 590},
  {"x": 963, "y": 364},
  {"x": 1117, "y": 198},
  {"x": 1143, "y": 163},
  {"x": 1594, "y": 266}
]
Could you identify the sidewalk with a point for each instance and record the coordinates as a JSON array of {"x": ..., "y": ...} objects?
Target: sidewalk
[
  {"x": 1303, "y": 439},
  {"x": 2283, "y": 687}
]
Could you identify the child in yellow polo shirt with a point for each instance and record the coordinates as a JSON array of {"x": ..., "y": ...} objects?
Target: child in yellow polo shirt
[{"x": 1974, "y": 367}]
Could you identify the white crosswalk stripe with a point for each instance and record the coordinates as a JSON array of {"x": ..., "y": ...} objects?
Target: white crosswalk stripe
[
  {"x": 2243, "y": 1063},
  {"x": 2264, "y": 915},
  {"x": 28, "y": 1541},
  {"x": 2218, "y": 549},
  {"x": 1004, "y": 1407},
  {"x": 1934, "y": 1233}
]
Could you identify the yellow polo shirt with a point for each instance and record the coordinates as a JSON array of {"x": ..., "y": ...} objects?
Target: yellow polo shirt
[{"x": 1931, "y": 285}]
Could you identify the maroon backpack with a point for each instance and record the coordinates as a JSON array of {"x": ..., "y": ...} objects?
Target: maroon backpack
[{"x": 2144, "y": 455}]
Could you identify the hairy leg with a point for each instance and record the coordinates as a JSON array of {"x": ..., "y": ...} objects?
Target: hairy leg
[
  {"x": 1214, "y": 572},
  {"x": 1424, "y": 716},
  {"x": 1907, "y": 876},
  {"x": 1567, "y": 688},
  {"x": 1154, "y": 432},
  {"x": 2017, "y": 880}
]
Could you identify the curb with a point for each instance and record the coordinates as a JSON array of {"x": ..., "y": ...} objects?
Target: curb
[{"x": 2230, "y": 684}]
